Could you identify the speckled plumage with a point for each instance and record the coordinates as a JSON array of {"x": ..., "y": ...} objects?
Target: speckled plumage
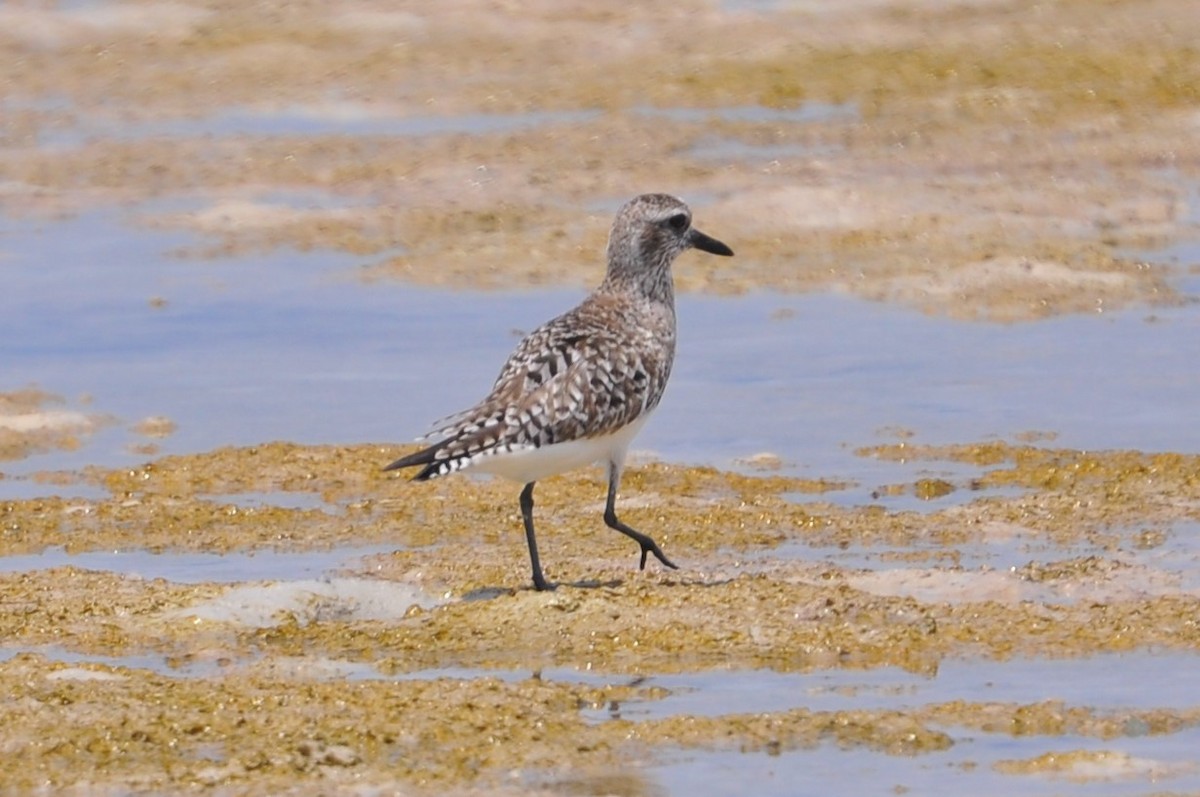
[{"x": 579, "y": 387}]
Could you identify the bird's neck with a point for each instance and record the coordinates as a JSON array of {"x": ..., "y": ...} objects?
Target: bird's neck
[{"x": 654, "y": 287}]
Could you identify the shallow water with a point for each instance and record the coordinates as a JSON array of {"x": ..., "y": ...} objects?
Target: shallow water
[
  {"x": 292, "y": 346},
  {"x": 967, "y": 768},
  {"x": 334, "y": 118},
  {"x": 1107, "y": 683},
  {"x": 1179, "y": 552},
  {"x": 1100, "y": 682},
  {"x": 802, "y": 113},
  {"x": 197, "y": 568}
]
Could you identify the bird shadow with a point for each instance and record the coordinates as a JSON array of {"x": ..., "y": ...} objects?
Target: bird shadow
[
  {"x": 486, "y": 594},
  {"x": 593, "y": 583},
  {"x": 491, "y": 593}
]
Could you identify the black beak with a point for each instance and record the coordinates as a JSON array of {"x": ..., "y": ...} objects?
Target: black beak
[{"x": 706, "y": 244}]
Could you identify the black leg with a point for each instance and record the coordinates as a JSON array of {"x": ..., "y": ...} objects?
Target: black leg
[
  {"x": 539, "y": 581},
  {"x": 610, "y": 517}
]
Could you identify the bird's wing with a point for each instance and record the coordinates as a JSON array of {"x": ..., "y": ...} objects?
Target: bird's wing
[{"x": 573, "y": 378}]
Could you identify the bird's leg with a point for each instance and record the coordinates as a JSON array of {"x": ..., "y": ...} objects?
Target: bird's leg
[
  {"x": 610, "y": 518},
  {"x": 539, "y": 581}
]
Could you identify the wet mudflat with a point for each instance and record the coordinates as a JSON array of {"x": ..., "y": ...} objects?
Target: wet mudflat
[
  {"x": 928, "y": 460},
  {"x": 402, "y": 647}
]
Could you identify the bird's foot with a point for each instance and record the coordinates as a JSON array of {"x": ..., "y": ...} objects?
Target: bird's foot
[{"x": 650, "y": 546}]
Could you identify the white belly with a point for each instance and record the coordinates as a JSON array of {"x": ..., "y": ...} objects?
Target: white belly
[{"x": 533, "y": 464}]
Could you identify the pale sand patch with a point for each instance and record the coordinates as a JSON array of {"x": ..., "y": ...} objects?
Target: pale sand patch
[
  {"x": 939, "y": 586},
  {"x": 58, "y": 28},
  {"x": 242, "y": 215},
  {"x": 1005, "y": 288},
  {"x": 1015, "y": 274},
  {"x": 155, "y": 426},
  {"x": 1094, "y": 765},
  {"x": 83, "y": 674},
  {"x": 309, "y": 601},
  {"x": 803, "y": 207},
  {"x": 934, "y": 585},
  {"x": 46, "y": 421},
  {"x": 28, "y": 426},
  {"x": 369, "y": 20}
]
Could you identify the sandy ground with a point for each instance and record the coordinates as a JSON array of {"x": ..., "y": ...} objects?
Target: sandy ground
[
  {"x": 263, "y": 686},
  {"x": 983, "y": 160}
]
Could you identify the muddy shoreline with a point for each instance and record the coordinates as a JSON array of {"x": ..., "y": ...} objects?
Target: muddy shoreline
[
  {"x": 1006, "y": 169},
  {"x": 1019, "y": 163},
  {"x": 758, "y": 589}
]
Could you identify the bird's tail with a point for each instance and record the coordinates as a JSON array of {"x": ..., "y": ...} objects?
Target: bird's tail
[{"x": 427, "y": 457}]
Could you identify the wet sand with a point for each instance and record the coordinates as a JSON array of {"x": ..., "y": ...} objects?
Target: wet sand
[
  {"x": 1007, "y": 167},
  {"x": 1018, "y": 164},
  {"x": 255, "y": 687}
]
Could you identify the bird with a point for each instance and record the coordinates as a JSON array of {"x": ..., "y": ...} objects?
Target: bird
[{"x": 577, "y": 389}]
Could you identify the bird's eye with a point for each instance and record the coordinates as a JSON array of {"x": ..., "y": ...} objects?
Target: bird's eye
[{"x": 678, "y": 222}]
